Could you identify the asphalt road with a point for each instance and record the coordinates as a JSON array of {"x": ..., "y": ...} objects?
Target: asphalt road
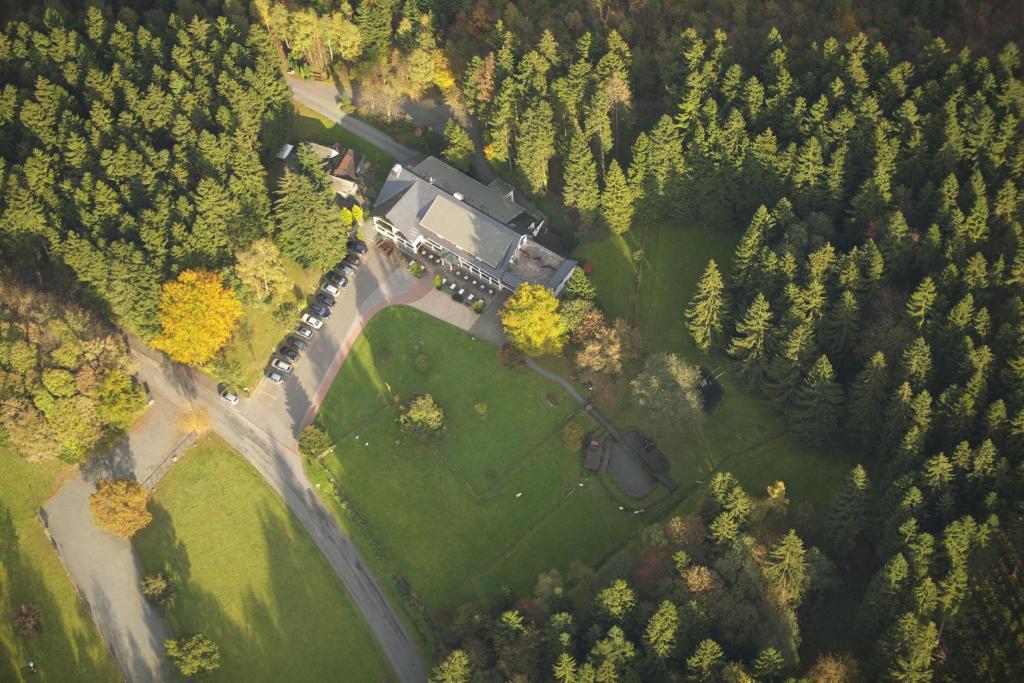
[{"x": 264, "y": 431}]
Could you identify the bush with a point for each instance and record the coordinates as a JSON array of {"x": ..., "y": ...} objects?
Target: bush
[
  {"x": 27, "y": 621},
  {"x": 510, "y": 356},
  {"x": 422, "y": 362},
  {"x": 158, "y": 588},
  {"x": 314, "y": 441},
  {"x": 194, "y": 655},
  {"x": 119, "y": 507},
  {"x": 481, "y": 409},
  {"x": 438, "y": 281},
  {"x": 286, "y": 312},
  {"x": 416, "y": 269},
  {"x": 572, "y": 437},
  {"x": 423, "y": 415},
  {"x": 478, "y": 306}
]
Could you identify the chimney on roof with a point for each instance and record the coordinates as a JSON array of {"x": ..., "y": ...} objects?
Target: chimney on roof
[
  {"x": 397, "y": 170},
  {"x": 458, "y": 195},
  {"x": 430, "y": 180}
]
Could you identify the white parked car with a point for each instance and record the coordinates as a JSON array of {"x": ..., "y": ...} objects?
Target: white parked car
[
  {"x": 229, "y": 396},
  {"x": 304, "y": 332},
  {"x": 281, "y": 364},
  {"x": 313, "y": 321},
  {"x": 330, "y": 288},
  {"x": 274, "y": 377}
]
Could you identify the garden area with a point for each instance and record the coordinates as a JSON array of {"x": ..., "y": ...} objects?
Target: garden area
[
  {"x": 487, "y": 503},
  {"x": 247, "y": 576},
  {"x": 68, "y": 647}
]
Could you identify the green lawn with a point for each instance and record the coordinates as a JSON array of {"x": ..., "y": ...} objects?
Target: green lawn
[
  {"x": 250, "y": 578},
  {"x": 447, "y": 511},
  {"x": 70, "y": 648}
]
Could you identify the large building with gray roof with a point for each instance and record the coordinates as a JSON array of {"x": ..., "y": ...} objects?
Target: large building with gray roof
[{"x": 479, "y": 229}]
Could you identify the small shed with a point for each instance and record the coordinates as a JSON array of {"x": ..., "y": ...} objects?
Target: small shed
[
  {"x": 596, "y": 457},
  {"x": 285, "y": 151}
]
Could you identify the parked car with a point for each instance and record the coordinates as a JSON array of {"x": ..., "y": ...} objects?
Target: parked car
[
  {"x": 229, "y": 396},
  {"x": 330, "y": 288},
  {"x": 336, "y": 279},
  {"x": 319, "y": 311},
  {"x": 274, "y": 376},
  {"x": 289, "y": 353},
  {"x": 313, "y": 321},
  {"x": 325, "y": 300},
  {"x": 304, "y": 331},
  {"x": 344, "y": 269},
  {"x": 357, "y": 246},
  {"x": 352, "y": 259},
  {"x": 298, "y": 343},
  {"x": 281, "y": 364}
]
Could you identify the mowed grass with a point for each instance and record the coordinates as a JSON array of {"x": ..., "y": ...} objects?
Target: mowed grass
[
  {"x": 449, "y": 510},
  {"x": 70, "y": 647},
  {"x": 250, "y": 578},
  {"x": 744, "y": 435}
]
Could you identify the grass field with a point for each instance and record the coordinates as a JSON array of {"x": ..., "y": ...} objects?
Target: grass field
[
  {"x": 250, "y": 578},
  {"x": 448, "y": 510},
  {"x": 70, "y": 648}
]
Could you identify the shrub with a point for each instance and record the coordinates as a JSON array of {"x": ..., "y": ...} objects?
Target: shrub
[
  {"x": 286, "y": 312},
  {"x": 572, "y": 437},
  {"x": 27, "y": 621},
  {"x": 422, "y": 362},
  {"x": 481, "y": 409},
  {"x": 119, "y": 507},
  {"x": 157, "y": 588},
  {"x": 478, "y": 306},
  {"x": 510, "y": 356},
  {"x": 438, "y": 281},
  {"x": 423, "y": 415},
  {"x": 194, "y": 655},
  {"x": 416, "y": 269},
  {"x": 314, "y": 441}
]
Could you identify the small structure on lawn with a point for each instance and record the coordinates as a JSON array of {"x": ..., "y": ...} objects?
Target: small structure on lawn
[{"x": 596, "y": 457}]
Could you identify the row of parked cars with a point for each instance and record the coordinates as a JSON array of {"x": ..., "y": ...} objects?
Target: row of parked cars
[{"x": 319, "y": 310}]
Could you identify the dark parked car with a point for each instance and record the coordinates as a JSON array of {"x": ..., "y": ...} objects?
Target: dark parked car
[
  {"x": 336, "y": 278},
  {"x": 319, "y": 311},
  {"x": 298, "y": 343},
  {"x": 352, "y": 259},
  {"x": 325, "y": 300},
  {"x": 344, "y": 269},
  {"x": 289, "y": 353},
  {"x": 357, "y": 246},
  {"x": 304, "y": 331}
]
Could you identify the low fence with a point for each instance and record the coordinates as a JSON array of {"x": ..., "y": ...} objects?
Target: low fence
[{"x": 150, "y": 482}]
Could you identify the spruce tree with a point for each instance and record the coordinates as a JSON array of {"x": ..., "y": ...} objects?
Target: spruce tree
[
  {"x": 748, "y": 260},
  {"x": 816, "y": 405},
  {"x": 616, "y": 200},
  {"x": 787, "y": 569},
  {"x": 536, "y": 142},
  {"x": 849, "y": 512},
  {"x": 751, "y": 345},
  {"x": 922, "y": 303},
  {"x": 916, "y": 365},
  {"x": 868, "y": 398},
  {"x": 705, "y": 316},
  {"x": 841, "y": 325},
  {"x": 580, "y": 188}
]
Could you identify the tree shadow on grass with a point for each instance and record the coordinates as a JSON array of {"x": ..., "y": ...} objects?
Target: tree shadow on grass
[{"x": 21, "y": 583}]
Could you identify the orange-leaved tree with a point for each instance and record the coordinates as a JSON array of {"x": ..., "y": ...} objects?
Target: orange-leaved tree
[
  {"x": 197, "y": 316},
  {"x": 119, "y": 507}
]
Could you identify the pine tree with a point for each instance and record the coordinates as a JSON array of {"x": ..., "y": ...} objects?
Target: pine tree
[
  {"x": 868, "y": 398},
  {"x": 705, "y": 316},
  {"x": 849, "y": 512},
  {"x": 580, "y": 188},
  {"x": 787, "y": 568},
  {"x": 916, "y": 365},
  {"x": 579, "y": 286},
  {"x": 817, "y": 404},
  {"x": 769, "y": 665},
  {"x": 536, "y": 142},
  {"x": 616, "y": 200},
  {"x": 706, "y": 661},
  {"x": 910, "y": 646},
  {"x": 565, "y": 668},
  {"x": 922, "y": 303},
  {"x": 459, "y": 152},
  {"x": 748, "y": 261},
  {"x": 840, "y": 328},
  {"x": 751, "y": 344},
  {"x": 660, "y": 634}
]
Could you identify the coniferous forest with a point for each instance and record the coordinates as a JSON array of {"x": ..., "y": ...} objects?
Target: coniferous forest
[{"x": 868, "y": 161}]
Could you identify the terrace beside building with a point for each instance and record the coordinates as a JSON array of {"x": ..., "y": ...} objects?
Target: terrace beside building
[{"x": 473, "y": 227}]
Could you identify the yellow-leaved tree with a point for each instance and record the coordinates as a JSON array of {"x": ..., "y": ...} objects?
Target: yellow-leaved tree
[
  {"x": 532, "y": 322},
  {"x": 197, "y": 316}
]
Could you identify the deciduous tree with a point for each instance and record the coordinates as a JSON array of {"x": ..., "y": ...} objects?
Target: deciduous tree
[
  {"x": 193, "y": 655},
  {"x": 532, "y": 322},
  {"x": 197, "y": 317},
  {"x": 119, "y": 507}
]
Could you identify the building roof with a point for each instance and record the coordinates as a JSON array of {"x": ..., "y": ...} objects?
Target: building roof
[
  {"x": 488, "y": 199},
  {"x": 469, "y": 230},
  {"x": 349, "y": 164},
  {"x": 322, "y": 151},
  {"x": 285, "y": 151}
]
